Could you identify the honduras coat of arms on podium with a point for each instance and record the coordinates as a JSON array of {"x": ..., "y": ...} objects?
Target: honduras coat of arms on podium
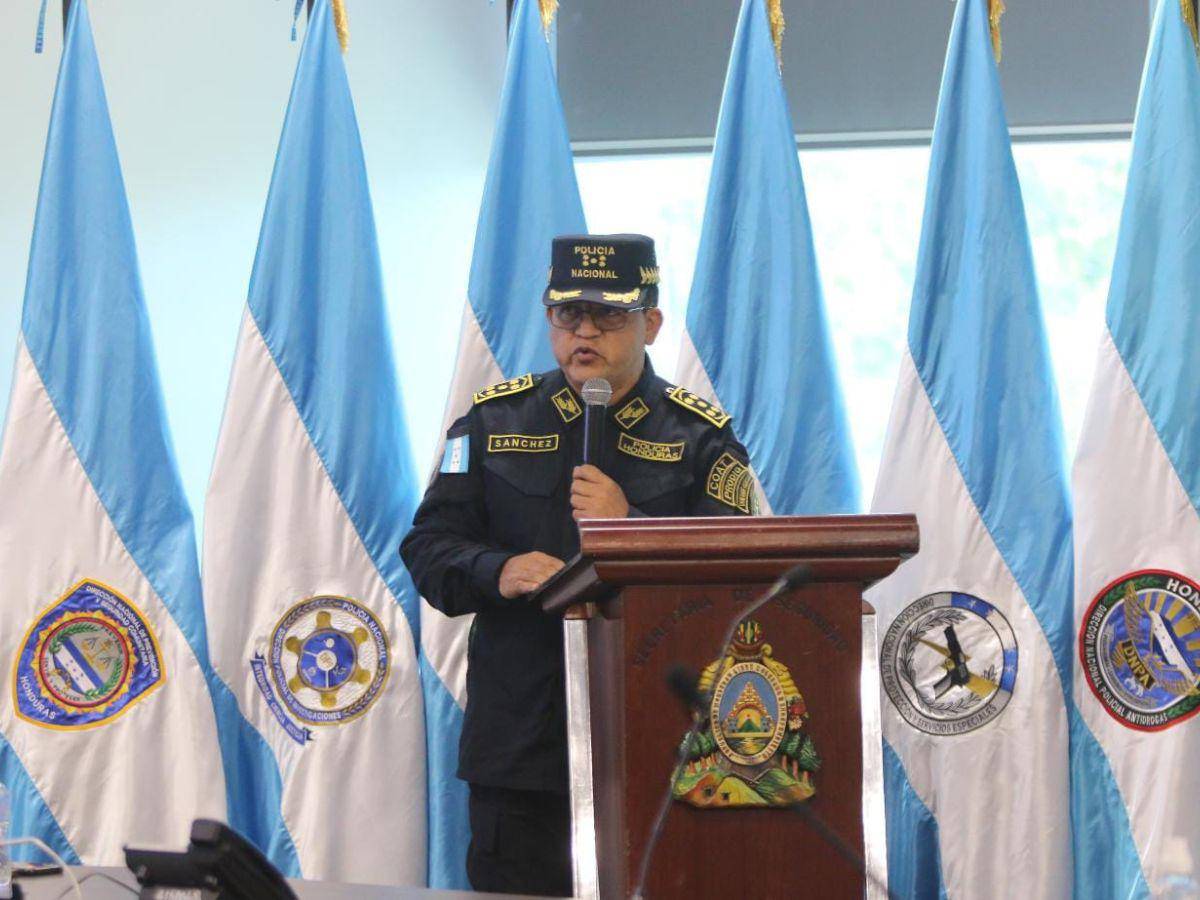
[{"x": 751, "y": 746}]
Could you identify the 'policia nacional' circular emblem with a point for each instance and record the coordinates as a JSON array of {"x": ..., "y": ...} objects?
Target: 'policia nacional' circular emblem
[
  {"x": 329, "y": 659},
  {"x": 1140, "y": 649},
  {"x": 87, "y": 658},
  {"x": 949, "y": 663}
]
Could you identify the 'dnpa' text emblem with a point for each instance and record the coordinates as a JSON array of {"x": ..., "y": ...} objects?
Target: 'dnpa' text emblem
[
  {"x": 1140, "y": 649},
  {"x": 752, "y": 748},
  {"x": 949, "y": 663},
  {"x": 85, "y": 660},
  {"x": 328, "y": 659}
]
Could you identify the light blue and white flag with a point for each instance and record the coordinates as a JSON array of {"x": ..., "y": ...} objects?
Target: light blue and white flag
[
  {"x": 107, "y": 728},
  {"x": 1137, "y": 514},
  {"x": 975, "y": 630},
  {"x": 756, "y": 341},
  {"x": 530, "y": 195},
  {"x": 312, "y": 615}
]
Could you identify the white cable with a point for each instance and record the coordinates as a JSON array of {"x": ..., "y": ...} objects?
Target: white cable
[{"x": 41, "y": 845}]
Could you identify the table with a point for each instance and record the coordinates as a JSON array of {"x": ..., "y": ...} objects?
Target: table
[{"x": 98, "y": 887}]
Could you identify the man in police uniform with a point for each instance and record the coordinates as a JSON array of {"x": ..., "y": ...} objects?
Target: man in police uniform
[{"x": 499, "y": 520}]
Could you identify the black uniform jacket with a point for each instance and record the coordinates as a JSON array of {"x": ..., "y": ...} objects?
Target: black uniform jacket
[{"x": 505, "y": 491}]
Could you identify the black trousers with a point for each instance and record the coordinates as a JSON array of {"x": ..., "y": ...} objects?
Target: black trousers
[{"x": 520, "y": 842}]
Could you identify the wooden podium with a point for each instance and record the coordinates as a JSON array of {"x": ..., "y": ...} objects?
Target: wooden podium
[{"x": 792, "y": 738}]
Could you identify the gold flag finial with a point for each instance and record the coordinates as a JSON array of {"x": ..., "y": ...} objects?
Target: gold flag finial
[
  {"x": 548, "y": 9},
  {"x": 995, "y": 11},
  {"x": 1189, "y": 16},
  {"x": 341, "y": 22},
  {"x": 775, "y": 17}
]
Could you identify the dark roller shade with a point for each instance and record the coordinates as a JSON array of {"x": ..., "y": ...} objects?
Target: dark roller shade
[{"x": 652, "y": 70}]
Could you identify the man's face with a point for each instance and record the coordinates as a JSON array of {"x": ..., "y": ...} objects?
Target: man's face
[{"x": 587, "y": 351}]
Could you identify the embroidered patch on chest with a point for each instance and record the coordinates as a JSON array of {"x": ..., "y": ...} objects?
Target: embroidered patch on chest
[
  {"x": 649, "y": 449},
  {"x": 522, "y": 443}
]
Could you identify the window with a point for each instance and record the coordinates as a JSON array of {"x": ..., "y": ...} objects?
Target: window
[{"x": 866, "y": 207}]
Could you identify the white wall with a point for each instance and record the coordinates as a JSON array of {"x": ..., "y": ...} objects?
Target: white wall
[{"x": 197, "y": 91}]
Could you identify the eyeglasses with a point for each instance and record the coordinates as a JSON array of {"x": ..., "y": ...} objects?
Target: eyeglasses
[{"x": 570, "y": 316}]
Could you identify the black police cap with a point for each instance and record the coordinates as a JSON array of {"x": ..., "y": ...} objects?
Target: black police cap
[{"x": 617, "y": 270}]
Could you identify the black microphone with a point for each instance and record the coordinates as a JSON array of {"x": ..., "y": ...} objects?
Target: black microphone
[
  {"x": 596, "y": 393},
  {"x": 793, "y": 578}
]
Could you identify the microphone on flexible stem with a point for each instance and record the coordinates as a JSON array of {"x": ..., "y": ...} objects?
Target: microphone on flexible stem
[
  {"x": 596, "y": 393},
  {"x": 793, "y": 578}
]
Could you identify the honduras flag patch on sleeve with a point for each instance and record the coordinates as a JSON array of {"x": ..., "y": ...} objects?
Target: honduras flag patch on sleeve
[{"x": 457, "y": 458}]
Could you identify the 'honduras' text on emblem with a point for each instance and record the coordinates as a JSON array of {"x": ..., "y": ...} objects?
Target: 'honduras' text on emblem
[
  {"x": 1140, "y": 649},
  {"x": 328, "y": 658},
  {"x": 949, "y": 663},
  {"x": 85, "y": 660}
]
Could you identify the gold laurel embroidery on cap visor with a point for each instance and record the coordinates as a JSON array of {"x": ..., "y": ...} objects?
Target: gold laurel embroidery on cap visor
[
  {"x": 566, "y": 404},
  {"x": 730, "y": 482},
  {"x": 522, "y": 443},
  {"x": 560, "y": 296},
  {"x": 649, "y": 274},
  {"x": 650, "y": 450},
  {"x": 632, "y": 413},
  {"x": 699, "y": 406},
  {"x": 505, "y": 388},
  {"x": 626, "y": 297}
]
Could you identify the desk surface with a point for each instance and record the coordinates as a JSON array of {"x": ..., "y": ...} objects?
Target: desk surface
[{"x": 97, "y": 883}]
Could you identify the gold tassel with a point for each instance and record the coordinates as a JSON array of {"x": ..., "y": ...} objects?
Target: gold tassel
[
  {"x": 548, "y": 8},
  {"x": 995, "y": 11},
  {"x": 775, "y": 17},
  {"x": 1189, "y": 16},
  {"x": 341, "y": 22}
]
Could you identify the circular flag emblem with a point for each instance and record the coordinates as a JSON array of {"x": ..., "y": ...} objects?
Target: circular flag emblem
[
  {"x": 1140, "y": 649},
  {"x": 85, "y": 659},
  {"x": 329, "y": 658},
  {"x": 949, "y": 663}
]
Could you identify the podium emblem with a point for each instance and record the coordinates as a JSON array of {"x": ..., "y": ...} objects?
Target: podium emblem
[
  {"x": 752, "y": 748},
  {"x": 949, "y": 663},
  {"x": 1140, "y": 649}
]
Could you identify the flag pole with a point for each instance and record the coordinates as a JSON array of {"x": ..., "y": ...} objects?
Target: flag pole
[{"x": 66, "y": 12}]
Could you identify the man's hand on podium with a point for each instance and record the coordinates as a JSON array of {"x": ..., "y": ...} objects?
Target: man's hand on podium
[
  {"x": 526, "y": 573},
  {"x": 596, "y": 496}
]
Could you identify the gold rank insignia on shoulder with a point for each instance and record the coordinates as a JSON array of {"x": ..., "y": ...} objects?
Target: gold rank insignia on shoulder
[
  {"x": 650, "y": 450},
  {"x": 731, "y": 482},
  {"x": 566, "y": 404},
  {"x": 699, "y": 406},
  {"x": 522, "y": 443},
  {"x": 632, "y": 413},
  {"x": 505, "y": 388}
]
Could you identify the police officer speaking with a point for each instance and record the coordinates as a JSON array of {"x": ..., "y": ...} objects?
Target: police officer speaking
[{"x": 499, "y": 519}]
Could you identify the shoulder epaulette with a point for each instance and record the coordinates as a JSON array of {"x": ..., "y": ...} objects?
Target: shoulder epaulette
[
  {"x": 507, "y": 388},
  {"x": 699, "y": 406}
]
